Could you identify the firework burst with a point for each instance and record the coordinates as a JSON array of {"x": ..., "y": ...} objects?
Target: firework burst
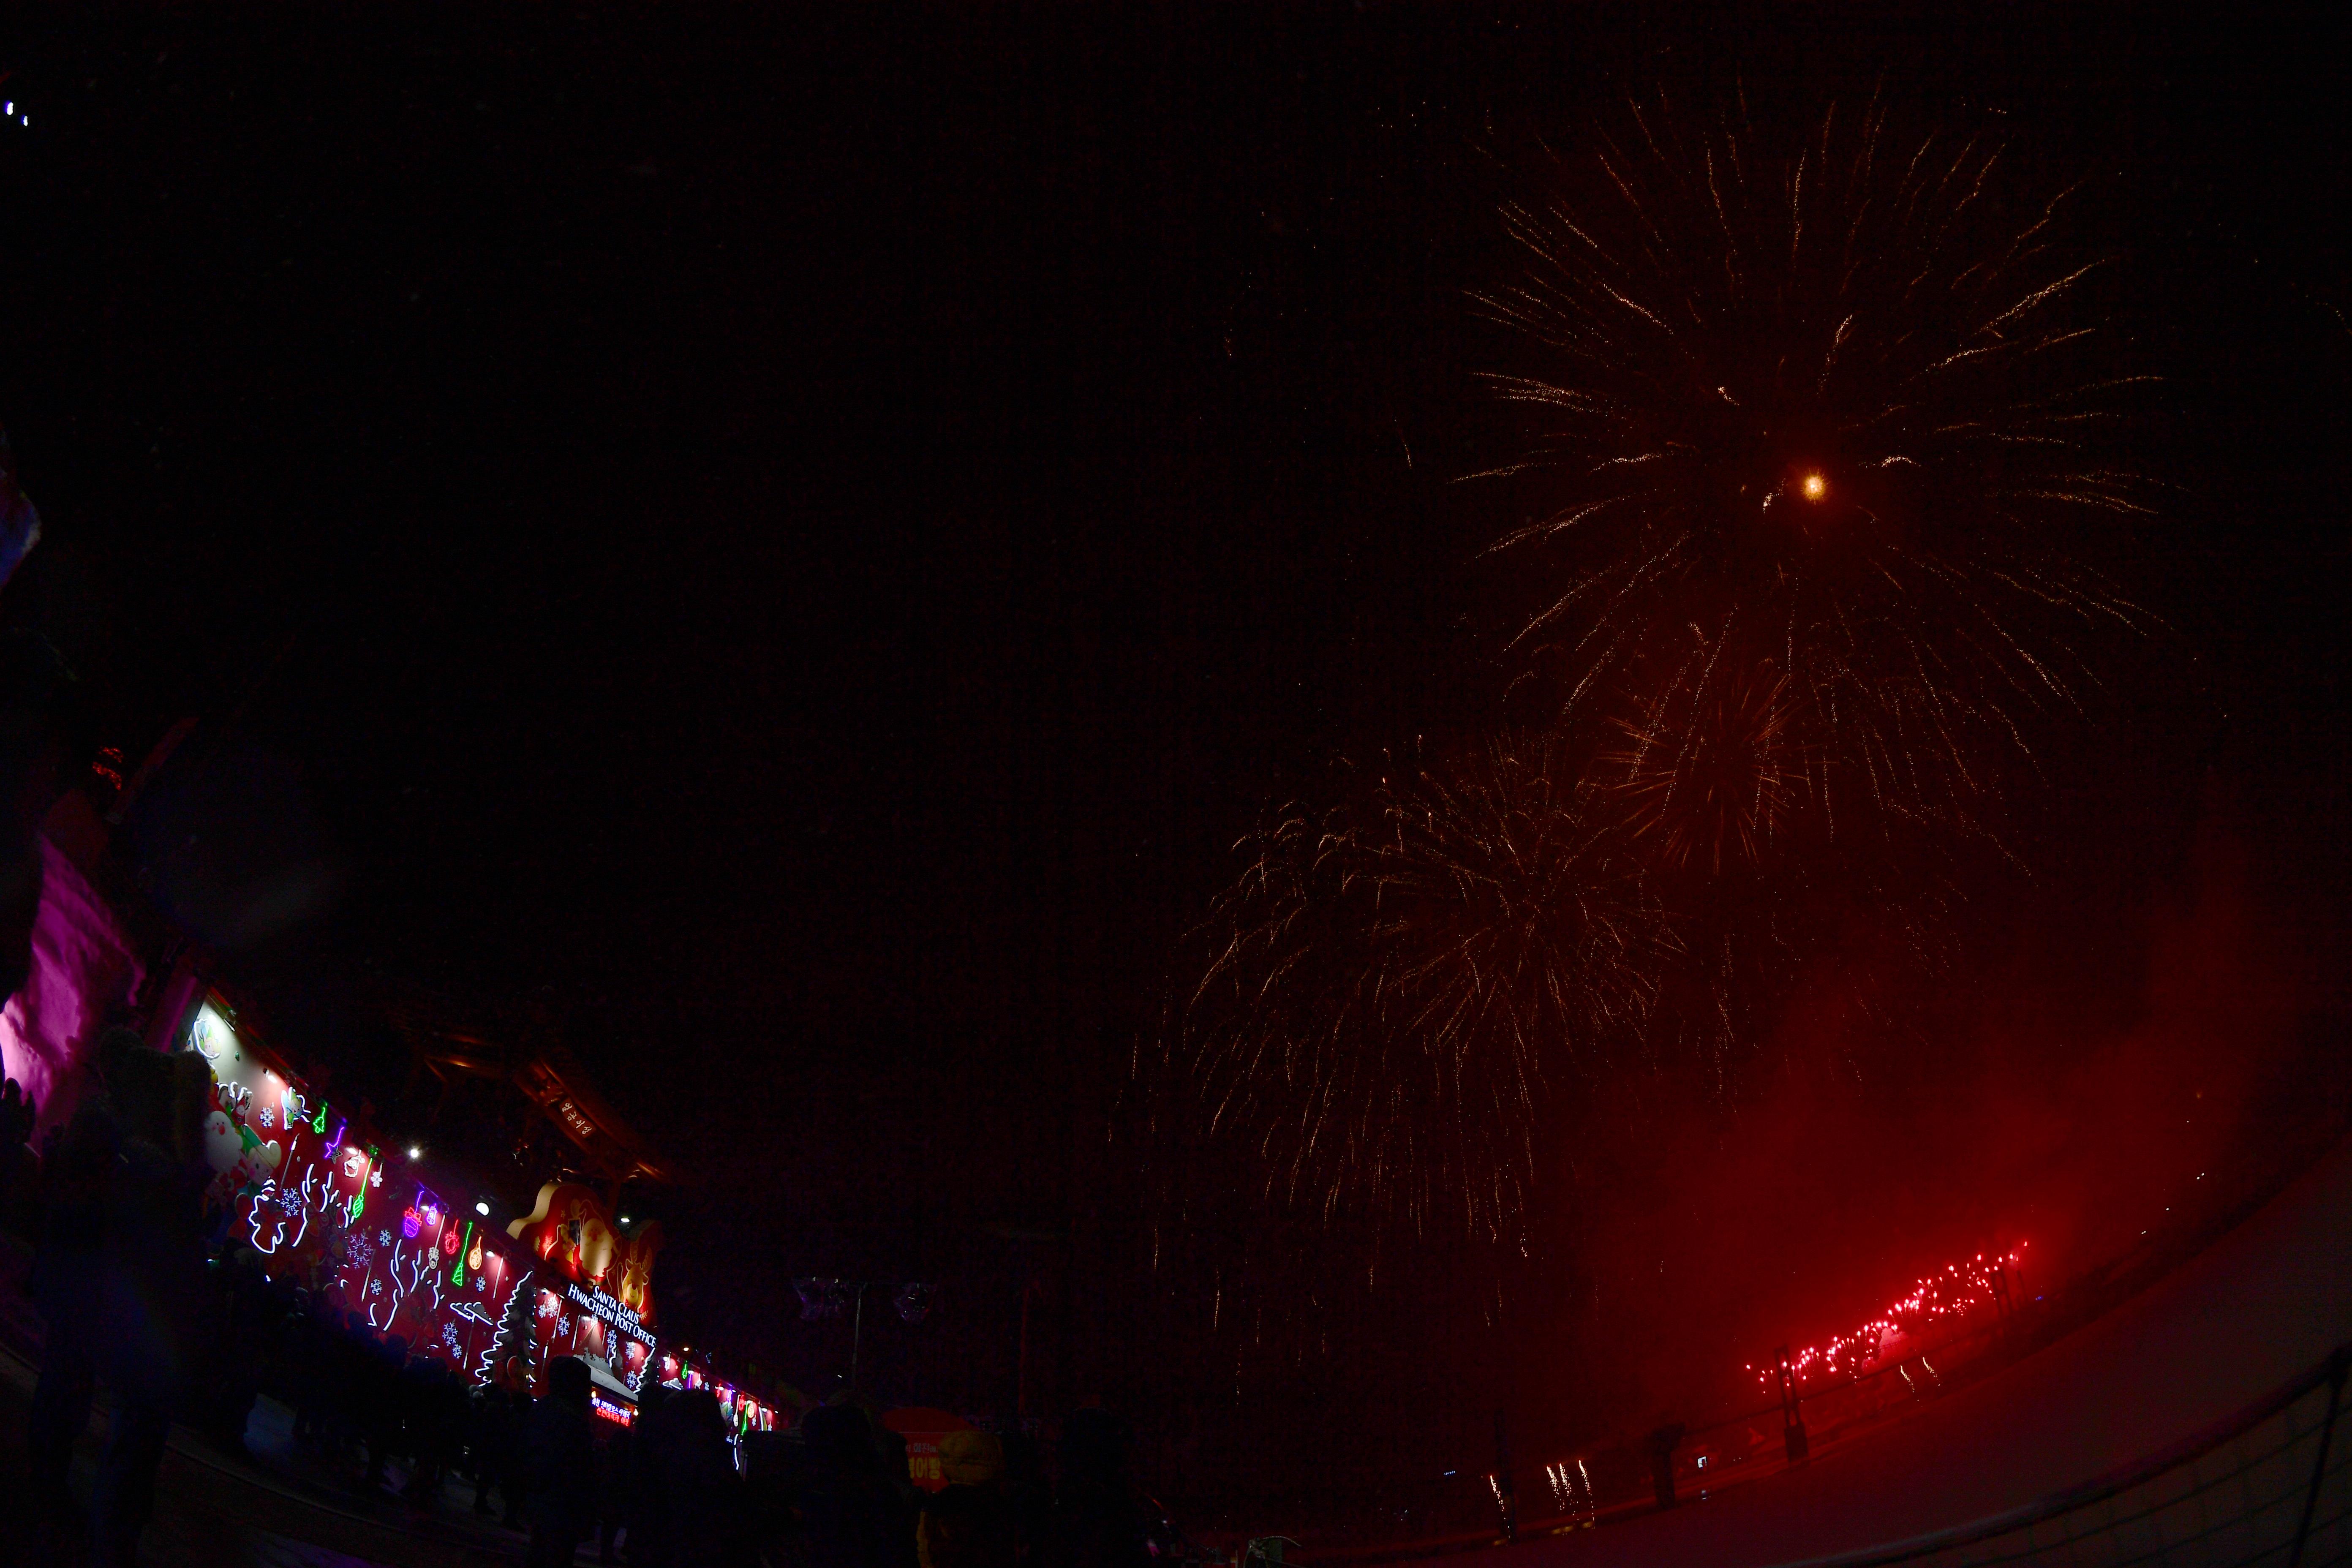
[
  {"x": 1817, "y": 448},
  {"x": 1817, "y": 451},
  {"x": 1708, "y": 770},
  {"x": 1386, "y": 988}
]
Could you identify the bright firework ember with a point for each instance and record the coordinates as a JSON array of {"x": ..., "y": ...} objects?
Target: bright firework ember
[{"x": 1821, "y": 444}]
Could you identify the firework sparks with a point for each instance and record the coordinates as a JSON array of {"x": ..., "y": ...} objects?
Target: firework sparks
[
  {"x": 1387, "y": 985},
  {"x": 1823, "y": 426},
  {"x": 1708, "y": 770},
  {"x": 1816, "y": 450}
]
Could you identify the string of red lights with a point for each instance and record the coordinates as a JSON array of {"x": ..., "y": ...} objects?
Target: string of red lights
[{"x": 1953, "y": 1291}]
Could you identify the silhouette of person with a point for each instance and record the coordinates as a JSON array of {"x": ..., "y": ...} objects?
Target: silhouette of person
[{"x": 559, "y": 1456}]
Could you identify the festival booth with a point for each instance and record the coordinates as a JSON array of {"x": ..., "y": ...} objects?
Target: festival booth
[
  {"x": 308, "y": 1185},
  {"x": 406, "y": 1246},
  {"x": 309, "y": 1188},
  {"x": 925, "y": 1429},
  {"x": 592, "y": 1295},
  {"x": 745, "y": 1412}
]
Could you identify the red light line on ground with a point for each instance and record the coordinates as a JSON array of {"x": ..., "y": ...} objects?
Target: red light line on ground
[{"x": 1953, "y": 1291}]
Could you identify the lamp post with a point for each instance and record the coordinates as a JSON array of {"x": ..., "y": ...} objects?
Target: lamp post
[
  {"x": 1032, "y": 1292},
  {"x": 856, "y": 1330}
]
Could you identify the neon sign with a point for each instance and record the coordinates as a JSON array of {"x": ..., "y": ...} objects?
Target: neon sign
[
  {"x": 422, "y": 1215},
  {"x": 570, "y": 1230},
  {"x": 298, "y": 1196},
  {"x": 610, "y": 1310},
  {"x": 439, "y": 1279}
]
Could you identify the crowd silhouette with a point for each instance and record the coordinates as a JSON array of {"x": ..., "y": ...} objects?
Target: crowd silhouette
[{"x": 132, "y": 1299}]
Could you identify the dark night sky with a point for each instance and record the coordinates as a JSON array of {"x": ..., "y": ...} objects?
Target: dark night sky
[{"x": 791, "y": 540}]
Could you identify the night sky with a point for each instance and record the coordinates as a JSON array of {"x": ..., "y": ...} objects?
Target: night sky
[{"x": 786, "y": 544}]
